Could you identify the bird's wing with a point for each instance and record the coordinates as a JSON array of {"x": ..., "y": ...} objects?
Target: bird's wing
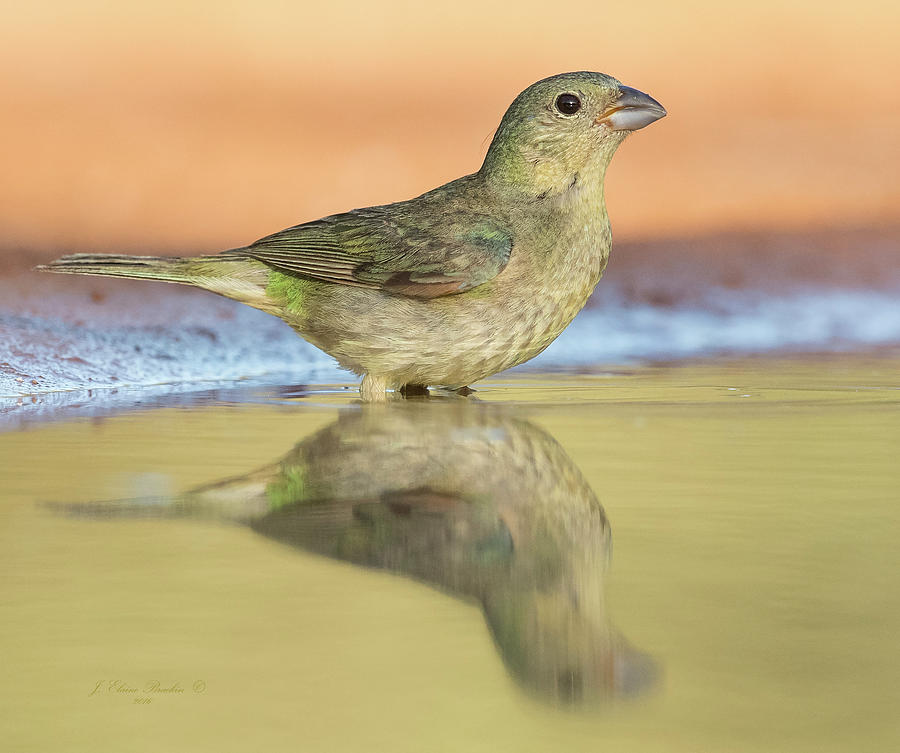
[
  {"x": 381, "y": 248},
  {"x": 408, "y": 530}
]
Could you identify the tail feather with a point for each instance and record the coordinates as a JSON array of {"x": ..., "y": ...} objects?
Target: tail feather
[
  {"x": 230, "y": 274},
  {"x": 168, "y": 269}
]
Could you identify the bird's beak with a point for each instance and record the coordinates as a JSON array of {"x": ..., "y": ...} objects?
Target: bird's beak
[{"x": 632, "y": 110}]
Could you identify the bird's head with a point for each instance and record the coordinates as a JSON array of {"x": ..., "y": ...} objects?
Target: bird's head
[{"x": 565, "y": 128}]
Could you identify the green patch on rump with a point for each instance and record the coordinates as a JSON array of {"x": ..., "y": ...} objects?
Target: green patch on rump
[
  {"x": 288, "y": 489},
  {"x": 292, "y": 292}
]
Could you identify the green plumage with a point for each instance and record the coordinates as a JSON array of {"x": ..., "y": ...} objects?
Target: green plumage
[
  {"x": 464, "y": 281},
  {"x": 424, "y": 256}
]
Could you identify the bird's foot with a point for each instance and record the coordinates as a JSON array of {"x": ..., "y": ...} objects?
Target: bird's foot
[
  {"x": 373, "y": 389},
  {"x": 414, "y": 390}
]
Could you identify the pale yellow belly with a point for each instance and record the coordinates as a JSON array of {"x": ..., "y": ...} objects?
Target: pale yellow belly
[{"x": 452, "y": 341}]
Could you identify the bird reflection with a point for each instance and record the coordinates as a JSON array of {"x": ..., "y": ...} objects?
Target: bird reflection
[{"x": 464, "y": 497}]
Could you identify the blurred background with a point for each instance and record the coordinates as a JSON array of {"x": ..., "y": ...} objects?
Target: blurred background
[
  {"x": 762, "y": 214},
  {"x": 179, "y": 127}
]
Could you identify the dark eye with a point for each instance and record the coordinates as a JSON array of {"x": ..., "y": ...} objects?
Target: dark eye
[{"x": 568, "y": 104}]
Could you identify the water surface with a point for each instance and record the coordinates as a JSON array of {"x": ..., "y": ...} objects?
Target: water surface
[{"x": 668, "y": 558}]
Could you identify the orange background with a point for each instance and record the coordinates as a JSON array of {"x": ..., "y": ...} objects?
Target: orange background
[{"x": 191, "y": 127}]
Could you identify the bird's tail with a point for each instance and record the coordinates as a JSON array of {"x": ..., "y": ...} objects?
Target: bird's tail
[
  {"x": 231, "y": 274},
  {"x": 168, "y": 269},
  {"x": 237, "y": 499}
]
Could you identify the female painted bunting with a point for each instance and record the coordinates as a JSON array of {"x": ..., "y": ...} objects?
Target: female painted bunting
[
  {"x": 460, "y": 495},
  {"x": 471, "y": 278}
]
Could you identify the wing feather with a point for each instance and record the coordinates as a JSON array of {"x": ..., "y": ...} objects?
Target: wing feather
[{"x": 392, "y": 249}]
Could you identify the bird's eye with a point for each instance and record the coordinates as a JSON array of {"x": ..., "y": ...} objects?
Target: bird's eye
[{"x": 568, "y": 104}]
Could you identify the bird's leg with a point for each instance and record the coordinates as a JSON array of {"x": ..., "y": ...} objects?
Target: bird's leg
[
  {"x": 414, "y": 390},
  {"x": 373, "y": 389}
]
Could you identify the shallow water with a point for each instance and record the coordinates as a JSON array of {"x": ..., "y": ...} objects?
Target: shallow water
[{"x": 672, "y": 558}]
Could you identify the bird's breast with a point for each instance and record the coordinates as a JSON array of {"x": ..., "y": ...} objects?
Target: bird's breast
[{"x": 550, "y": 284}]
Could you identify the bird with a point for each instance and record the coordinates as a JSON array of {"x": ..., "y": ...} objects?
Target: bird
[
  {"x": 464, "y": 281},
  {"x": 464, "y": 496}
]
